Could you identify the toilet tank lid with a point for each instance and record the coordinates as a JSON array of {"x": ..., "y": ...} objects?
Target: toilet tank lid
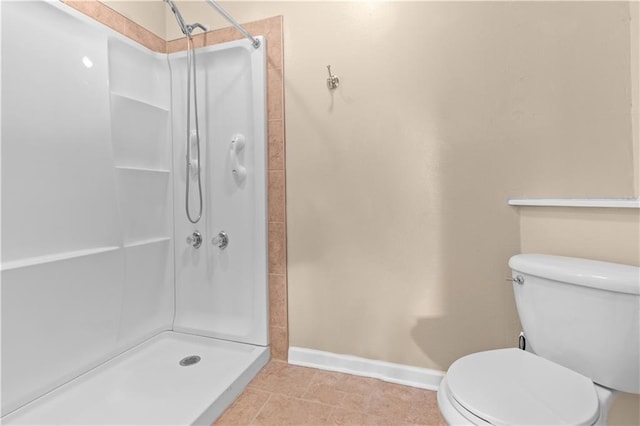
[{"x": 589, "y": 273}]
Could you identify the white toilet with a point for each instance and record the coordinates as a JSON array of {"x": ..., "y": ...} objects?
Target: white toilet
[{"x": 581, "y": 320}]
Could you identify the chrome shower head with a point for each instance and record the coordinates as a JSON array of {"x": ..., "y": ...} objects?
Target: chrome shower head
[{"x": 191, "y": 27}]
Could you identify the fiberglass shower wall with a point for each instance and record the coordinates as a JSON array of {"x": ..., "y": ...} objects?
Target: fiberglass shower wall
[
  {"x": 87, "y": 263},
  {"x": 222, "y": 293}
]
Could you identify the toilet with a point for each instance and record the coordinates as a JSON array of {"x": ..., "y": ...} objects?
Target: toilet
[{"x": 581, "y": 324}]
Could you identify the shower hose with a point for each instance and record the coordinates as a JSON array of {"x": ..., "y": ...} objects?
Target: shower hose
[{"x": 191, "y": 76}]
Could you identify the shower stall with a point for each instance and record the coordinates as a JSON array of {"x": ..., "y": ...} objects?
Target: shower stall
[{"x": 110, "y": 313}]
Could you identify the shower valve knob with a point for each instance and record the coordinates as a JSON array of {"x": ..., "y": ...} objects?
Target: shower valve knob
[
  {"x": 195, "y": 239},
  {"x": 221, "y": 240}
]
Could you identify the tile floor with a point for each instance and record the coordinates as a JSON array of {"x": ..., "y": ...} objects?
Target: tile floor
[{"x": 283, "y": 394}]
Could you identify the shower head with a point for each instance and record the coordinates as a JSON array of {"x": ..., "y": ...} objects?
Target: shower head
[{"x": 191, "y": 27}]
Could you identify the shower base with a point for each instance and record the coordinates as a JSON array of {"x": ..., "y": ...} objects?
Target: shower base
[{"x": 147, "y": 385}]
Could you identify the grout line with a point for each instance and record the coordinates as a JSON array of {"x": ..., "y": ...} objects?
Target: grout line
[
  {"x": 308, "y": 385},
  {"x": 261, "y": 407},
  {"x": 306, "y": 400},
  {"x": 333, "y": 409}
]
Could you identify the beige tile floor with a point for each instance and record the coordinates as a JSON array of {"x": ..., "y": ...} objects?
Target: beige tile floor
[{"x": 283, "y": 394}]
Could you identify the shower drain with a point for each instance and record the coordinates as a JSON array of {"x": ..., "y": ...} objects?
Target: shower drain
[{"x": 189, "y": 360}]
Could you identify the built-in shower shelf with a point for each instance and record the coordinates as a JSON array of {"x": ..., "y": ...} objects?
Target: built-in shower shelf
[
  {"x": 39, "y": 260},
  {"x": 147, "y": 242},
  {"x": 139, "y": 101},
  {"x": 632, "y": 203},
  {"x": 142, "y": 169}
]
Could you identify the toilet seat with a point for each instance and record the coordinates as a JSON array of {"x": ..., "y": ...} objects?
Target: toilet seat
[{"x": 511, "y": 386}]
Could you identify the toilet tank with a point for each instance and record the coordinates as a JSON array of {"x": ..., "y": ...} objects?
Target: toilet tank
[{"x": 582, "y": 314}]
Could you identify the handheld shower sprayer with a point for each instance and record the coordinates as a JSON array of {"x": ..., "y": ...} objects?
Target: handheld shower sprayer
[{"x": 193, "y": 165}]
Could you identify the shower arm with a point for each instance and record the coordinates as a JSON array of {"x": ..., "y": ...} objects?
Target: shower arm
[
  {"x": 191, "y": 27},
  {"x": 254, "y": 41}
]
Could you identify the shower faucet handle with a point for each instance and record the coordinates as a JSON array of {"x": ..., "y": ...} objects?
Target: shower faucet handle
[
  {"x": 195, "y": 239},
  {"x": 221, "y": 240}
]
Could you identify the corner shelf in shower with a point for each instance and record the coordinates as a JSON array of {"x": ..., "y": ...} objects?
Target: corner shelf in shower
[
  {"x": 56, "y": 257},
  {"x": 140, "y": 133},
  {"x": 147, "y": 242}
]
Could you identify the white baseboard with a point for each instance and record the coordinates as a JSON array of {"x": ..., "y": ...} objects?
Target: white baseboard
[{"x": 407, "y": 375}]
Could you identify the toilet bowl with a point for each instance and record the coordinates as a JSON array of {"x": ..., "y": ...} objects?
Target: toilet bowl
[
  {"x": 511, "y": 386},
  {"x": 571, "y": 311}
]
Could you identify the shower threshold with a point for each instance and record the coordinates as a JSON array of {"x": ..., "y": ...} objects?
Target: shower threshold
[{"x": 147, "y": 385}]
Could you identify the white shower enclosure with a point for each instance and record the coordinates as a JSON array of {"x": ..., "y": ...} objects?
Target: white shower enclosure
[
  {"x": 102, "y": 297},
  {"x": 234, "y": 308}
]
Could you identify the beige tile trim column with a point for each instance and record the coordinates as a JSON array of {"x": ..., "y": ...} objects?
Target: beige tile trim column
[
  {"x": 112, "y": 19},
  {"x": 271, "y": 28}
]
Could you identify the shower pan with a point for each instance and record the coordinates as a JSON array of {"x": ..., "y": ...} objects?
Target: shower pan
[{"x": 110, "y": 314}]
